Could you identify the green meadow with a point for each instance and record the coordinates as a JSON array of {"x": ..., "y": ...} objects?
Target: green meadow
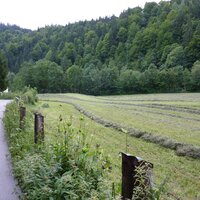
[{"x": 175, "y": 116}]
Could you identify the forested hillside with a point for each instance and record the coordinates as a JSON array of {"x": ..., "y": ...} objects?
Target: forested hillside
[{"x": 155, "y": 49}]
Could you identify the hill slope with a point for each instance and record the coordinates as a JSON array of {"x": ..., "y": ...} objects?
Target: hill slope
[{"x": 161, "y": 37}]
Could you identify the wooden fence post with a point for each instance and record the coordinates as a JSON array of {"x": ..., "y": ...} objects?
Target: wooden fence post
[
  {"x": 39, "y": 128},
  {"x": 22, "y": 111},
  {"x": 130, "y": 166}
]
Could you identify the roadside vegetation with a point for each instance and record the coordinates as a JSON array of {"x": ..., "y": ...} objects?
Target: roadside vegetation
[
  {"x": 181, "y": 172},
  {"x": 154, "y": 49},
  {"x": 63, "y": 167}
]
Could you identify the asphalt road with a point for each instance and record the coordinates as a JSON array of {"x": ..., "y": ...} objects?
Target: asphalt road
[{"x": 8, "y": 185}]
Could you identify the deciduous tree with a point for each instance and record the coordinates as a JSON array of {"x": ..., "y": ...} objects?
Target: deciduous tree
[{"x": 3, "y": 72}]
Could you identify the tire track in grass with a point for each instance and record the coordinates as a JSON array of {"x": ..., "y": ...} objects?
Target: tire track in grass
[
  {"x": 142, "y": 100},
  {"x": 161, "y": 107},
  {"x": 181, "y": 149},
  {"x": 157, "y": 106},
  {"x": 176, "y": 108},
  {"x": 160, "y": 113},
  {"x": 153, "y": 105}
]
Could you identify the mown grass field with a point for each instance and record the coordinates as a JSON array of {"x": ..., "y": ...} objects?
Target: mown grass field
[{"x": 176, "y": 116}]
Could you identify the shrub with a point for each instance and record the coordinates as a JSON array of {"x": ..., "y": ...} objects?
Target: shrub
[
  {"x": 8, "y": 95},
  {"x": 29, "y": 96}
]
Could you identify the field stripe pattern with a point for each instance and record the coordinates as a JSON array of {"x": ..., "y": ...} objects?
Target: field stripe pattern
[{"x": 181, "y": 149}]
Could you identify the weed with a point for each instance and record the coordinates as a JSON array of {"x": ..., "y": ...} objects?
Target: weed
[
  {"x": 65, "y": 169},
  {"x": 144, "y": 188}
]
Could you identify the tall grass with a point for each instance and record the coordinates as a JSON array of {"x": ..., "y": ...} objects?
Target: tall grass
[{"x": 63, "y": 169}]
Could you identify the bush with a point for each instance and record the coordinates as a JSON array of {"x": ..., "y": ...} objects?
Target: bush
[
  {"x": 29, "y": 96},
  {"x": 8, "y": 95}
]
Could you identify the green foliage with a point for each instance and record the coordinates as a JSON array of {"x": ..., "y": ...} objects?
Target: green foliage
[
  {"x": 73, "y": 79},
  {"x": 66, "y": 168},
  {"x": 44, "y": 75},
  {"x": 196, "y": 76},
  {"x": 129, "y": 80},
  {"x": 26, "y": 96},
  {"x": 164, "y": 34},
  {"x": 145, "y": 189},
  {"x": 108, "y": 77},
  {"x": 8, "y": 95},
  {"x": 3, "y": 72},
  {"x": 29, "y": 95},
  {"x": 175, "y": 57}
]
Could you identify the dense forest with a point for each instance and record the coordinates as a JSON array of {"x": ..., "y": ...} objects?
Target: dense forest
[
  {"x": 3, "y": 72},
  {"x": 154, "y": 49}
]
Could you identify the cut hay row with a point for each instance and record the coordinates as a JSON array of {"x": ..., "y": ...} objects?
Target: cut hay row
[
  {"x": 160, "y": 106},
  {"x": 165, "y": 97},
  {"x": 184, "y": 109},
  {"x": 181, "y": 149}
]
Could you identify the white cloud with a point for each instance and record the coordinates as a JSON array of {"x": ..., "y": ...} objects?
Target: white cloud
[{"x": 38, "y": 13}]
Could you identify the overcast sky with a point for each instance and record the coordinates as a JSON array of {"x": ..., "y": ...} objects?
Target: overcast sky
[{"x": 38, "y": 13}]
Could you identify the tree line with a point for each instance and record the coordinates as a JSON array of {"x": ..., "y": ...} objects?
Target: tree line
[
  {"x": 47, "y": 76},
  {"x": 154, "y": 49},
  {"x": 3, "y": 72}
]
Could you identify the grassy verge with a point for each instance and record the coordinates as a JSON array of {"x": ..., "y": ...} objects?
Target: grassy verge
[
  {"x": 39, "y": 167},
  {"x": 63, "y": 167}
]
